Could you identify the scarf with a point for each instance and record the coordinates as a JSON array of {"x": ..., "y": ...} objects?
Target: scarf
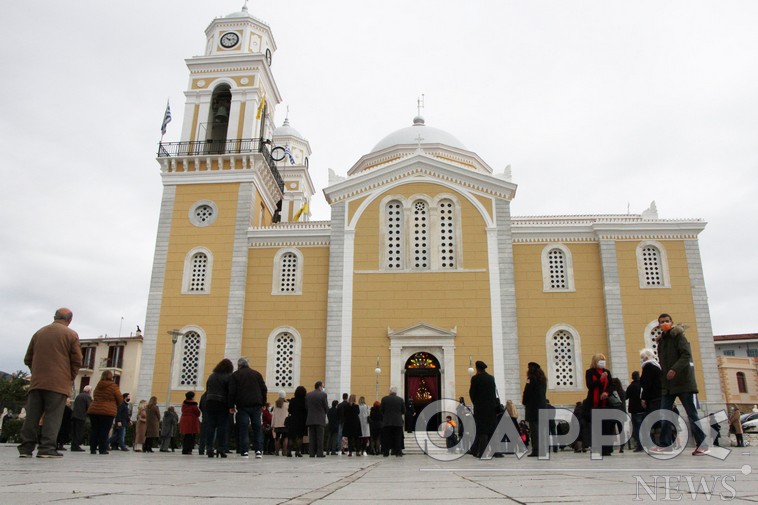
[{"x": 596, "y": 401}]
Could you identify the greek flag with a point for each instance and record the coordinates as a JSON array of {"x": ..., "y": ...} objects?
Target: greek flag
[
  {"x": 289, "y": 154},
  {"x": 166, "y": 118}
]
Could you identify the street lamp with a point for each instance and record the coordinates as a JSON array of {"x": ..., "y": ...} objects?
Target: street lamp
[
  {"x": 175, "y": 334},
  {"x": 377, "y": 371},
  {"x": 470, "y": 367}
]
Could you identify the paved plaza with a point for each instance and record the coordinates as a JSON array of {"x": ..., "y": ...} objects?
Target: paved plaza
[{"x": 131, "y": 478}]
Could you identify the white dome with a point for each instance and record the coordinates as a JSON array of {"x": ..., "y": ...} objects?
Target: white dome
[
  {"x": 286, "y": 129},
  {"x": 410, "y": 134}
]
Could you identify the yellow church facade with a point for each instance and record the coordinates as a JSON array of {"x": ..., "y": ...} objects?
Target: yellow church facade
[{"x": 420, "y": 271}]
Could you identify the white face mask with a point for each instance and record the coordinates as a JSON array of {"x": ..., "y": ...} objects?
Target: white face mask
[{"x": 601, "y": 364}]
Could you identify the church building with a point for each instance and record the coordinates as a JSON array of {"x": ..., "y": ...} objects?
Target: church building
[{"x": 421, "y": 271}]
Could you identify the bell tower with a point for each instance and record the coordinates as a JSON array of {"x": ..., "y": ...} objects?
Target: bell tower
[{"x": 219, "y": 180}]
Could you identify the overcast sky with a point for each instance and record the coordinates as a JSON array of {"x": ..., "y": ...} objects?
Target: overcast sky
[{"x": 598, "y": 106}]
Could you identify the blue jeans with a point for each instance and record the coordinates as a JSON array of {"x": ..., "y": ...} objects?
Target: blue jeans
[
  {"x": 246, "y": 415},
  {"x": 688, "y": 402},
  {"x": 118, "y": 437}
]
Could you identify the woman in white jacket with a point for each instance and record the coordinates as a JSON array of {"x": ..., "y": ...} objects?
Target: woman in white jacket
[{"x": 365, "y": 430}]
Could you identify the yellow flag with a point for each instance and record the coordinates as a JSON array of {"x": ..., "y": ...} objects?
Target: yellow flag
[
  {"x": 299, "y": 213},
  {"x": 260, "y": 107}
]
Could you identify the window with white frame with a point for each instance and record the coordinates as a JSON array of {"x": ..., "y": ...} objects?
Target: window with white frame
[
  {"x": 557, "y": 268},
  {"x": 190, "y": 370},
  {"x": 447, "y": 233},
  {"x": 288, "y": 272},
  {"x": 420, "y": 233},
  {"x": 652, "y": 334},
  {"x": 420, "y": 250},
  {"x": 198, "y": 266},
  {"x": 203, "y": 213},
  {"x": 283, "y": 369},
  {"x": 652, "y": 265},
  {"x": 564, "y": 358}
]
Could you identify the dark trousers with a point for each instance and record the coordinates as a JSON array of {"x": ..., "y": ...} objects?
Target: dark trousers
[
  {"x": 216, "y": 424},
  {"x": 98, "y": 434},
  {"x": 188, "y": 443},
  {"x": 316, "y": 440},
  {"x": 392, "y": 440},
  {"x": 637, "y": 419},
  {"x": 39, "y": 402},
  {"x": 77, "y": 433}
]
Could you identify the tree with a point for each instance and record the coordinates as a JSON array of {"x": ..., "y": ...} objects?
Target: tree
[{"x": 13, "y": 391}]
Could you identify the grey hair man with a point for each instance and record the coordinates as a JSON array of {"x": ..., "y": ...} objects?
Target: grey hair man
[
  {"x": 54, "y": 358},
  {"x": 78, "y": 417},
  {"x": 247, "y": 394}
]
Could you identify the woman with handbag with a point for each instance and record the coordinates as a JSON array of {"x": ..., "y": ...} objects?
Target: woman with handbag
[{"x": 599, "y": 388}]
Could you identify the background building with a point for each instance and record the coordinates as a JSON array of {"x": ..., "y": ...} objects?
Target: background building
[
  {"x": 421, "y": 270},
  {"x": 738, "y": 368},
  {"x": 120, "y": 355}
]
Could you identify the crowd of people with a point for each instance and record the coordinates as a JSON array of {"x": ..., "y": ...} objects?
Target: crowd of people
[{"x": 235, "y": 403}]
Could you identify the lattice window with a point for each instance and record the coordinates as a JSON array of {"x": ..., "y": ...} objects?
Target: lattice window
[
  {"x": 651, "y": 340},
  {"x": 190, "y": 359},
  {"x": 557, "y": 265},
  {"x": 394, "y": 218},
  {"x": 420, "y": 251},
  {"x": 203, "y": 213},
  {"x": 198, "y": 273},
  {"x": 288, "y": 273},
  {"x": 284, "y": 361},
  {"x": 447, "y": 234},
  {"x": 651, "y": 261},
  {"x": 564, "y": 359}
]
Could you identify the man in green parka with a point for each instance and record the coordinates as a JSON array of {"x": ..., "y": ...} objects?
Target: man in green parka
[{"x": 677, "y": 381}]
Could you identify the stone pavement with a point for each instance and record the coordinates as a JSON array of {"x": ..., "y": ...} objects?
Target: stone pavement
[{"x": 156, "y": 479}]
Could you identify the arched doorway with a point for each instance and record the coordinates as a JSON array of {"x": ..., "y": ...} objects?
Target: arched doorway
[
  {"x": 422, "y": 385},
  {"x": 218, "y": 120}
]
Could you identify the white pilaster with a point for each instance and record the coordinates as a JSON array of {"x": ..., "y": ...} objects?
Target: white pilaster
[
  {"x": 238, "y": 281},
  {"x": 613, "y": 311},
  {"x": 155, "y": 296}
]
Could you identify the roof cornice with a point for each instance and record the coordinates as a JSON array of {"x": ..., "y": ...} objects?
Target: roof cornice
[
  {"x": 307, "y": 234},
  {"x": 415, "y": 165}
]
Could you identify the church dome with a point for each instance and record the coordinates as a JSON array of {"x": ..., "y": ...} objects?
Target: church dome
[
  {"x": 286, "y": 129},
  {"x": 241, "y": 14},
  {"x": 410, "y": 135}
]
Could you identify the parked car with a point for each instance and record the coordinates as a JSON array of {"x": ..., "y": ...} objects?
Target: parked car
[{"x": 749, "y": 422}]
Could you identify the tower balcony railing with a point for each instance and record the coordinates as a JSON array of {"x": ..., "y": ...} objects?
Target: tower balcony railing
[{"x": 226, "y": 147}]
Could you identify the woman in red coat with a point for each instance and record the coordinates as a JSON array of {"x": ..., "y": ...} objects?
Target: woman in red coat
[{"x": 189, "y": 424}]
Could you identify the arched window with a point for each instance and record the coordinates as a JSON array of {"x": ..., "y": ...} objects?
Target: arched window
[
  {"x": 218, "y": 120},
  {"x": 741, "y": 382},
  {"x": 564, "y": 358},
  {"x": 393, "y": 215},
  {"x": 447, "y": 233},
  {"x": 190, "y": 359},
  {"x": 198, "y": 266},
  {"x": 420, "y": 224},
  {"x": 288, "y": 272},
  {"x": 557, "y": 268},
  {"x": 283, "y": 368},
  {"x": 652, "y": 265},
  {"x": 652, "y": 333}
]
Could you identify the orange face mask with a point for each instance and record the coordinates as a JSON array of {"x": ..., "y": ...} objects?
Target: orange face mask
[{"x": 665, "y": 326}]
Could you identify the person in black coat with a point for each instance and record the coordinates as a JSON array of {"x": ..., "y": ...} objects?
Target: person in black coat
[
  {"x": 392, "y": 409},
  {"x": 483, "y": 394},
  {"x": 635, "y": 409},
  {"x": 375, "y": 427},
  {"x": 215, "y": 409},
  {"x": 650, "y": 385},
  {"x": 599, "y": 388},
  {"x": 298, "y": 415},
  {"x": 534, "y": 399}
]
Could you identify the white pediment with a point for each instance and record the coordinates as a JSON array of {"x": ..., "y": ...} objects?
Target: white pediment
[{"x": 422, "y": 331}]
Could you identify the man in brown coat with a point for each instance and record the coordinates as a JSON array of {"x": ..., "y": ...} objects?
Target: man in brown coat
[{"x": 54, "y": 357}]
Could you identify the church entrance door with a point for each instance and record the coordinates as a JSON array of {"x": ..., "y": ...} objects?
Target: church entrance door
[{"x": 422, "y": 387}]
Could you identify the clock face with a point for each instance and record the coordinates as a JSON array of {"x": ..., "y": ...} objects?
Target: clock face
[
  {"x": 268, "y": 57},
  {"x": 278, "y": 153},
  {"x": 229, "y": 39}
]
